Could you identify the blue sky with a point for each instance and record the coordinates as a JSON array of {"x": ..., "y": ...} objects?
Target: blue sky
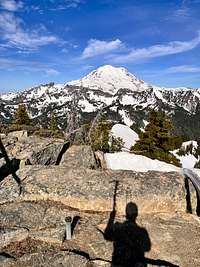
[{"x": 61, "y": 40}]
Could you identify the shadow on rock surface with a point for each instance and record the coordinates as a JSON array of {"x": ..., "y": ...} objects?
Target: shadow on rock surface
[
  {"x": 10, "y": 167},
  {"x": 130, "y": 241}
]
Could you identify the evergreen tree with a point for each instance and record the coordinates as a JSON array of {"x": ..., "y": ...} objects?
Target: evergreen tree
[
  {"x": 156, "y": 141},
  {"x": 116, "y": 144},
  {"x": 21, "y": 116},
  {"x": 102, "y": 140},
  {"x": 53, "y": 122},
  {"x": 100, "y": 136}
]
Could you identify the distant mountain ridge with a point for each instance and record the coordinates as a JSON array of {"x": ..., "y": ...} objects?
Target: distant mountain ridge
[{"x": 125, "y": 99}]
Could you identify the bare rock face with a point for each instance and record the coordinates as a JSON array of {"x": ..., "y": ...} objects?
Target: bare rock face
[
  {"x": 174, "y": 236},
  {"x": 79, "y": 156},
  {"x": 18, "y": 134},
  {"x": 32, "y": 225},
  {"x": 47, "y": 151},
  {"x": 33, "y": 148},
  {"x": 87, "y": 189},
  {"x": 12, "y": 236},
  {"x": 100, "y": 159},
  {"x": 49, "y": 155},
  {"x": 46, "y": 259}
]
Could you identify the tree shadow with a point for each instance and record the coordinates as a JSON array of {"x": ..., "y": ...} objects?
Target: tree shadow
[
  {"x": 10, "y": 167},
  {"x": 130, "y": 241}
]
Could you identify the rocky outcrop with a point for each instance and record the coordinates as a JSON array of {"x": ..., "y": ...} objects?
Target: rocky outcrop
[
  {"x": 41, "y": 229},
  {"x": 79, "y": 156},
  {"x": 92, "y": 190},
  {"x": 49, "y": 155},
  {"x": 32, "y": 225},
  {"x": 32, "y": 147},
  {"x": 100, "y": 159},
  {"x": 47, "y": 151},
  {"x": 46, "y": 259},
  {"x": 18, "y": 134}
]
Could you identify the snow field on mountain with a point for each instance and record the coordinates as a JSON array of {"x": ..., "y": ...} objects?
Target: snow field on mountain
[
  {"x": 126, "y": 118},
  {"x": 128, "y": 136},
  {"x": 142, "y": 129},
  {"x": 87, "y": 106},
  {"x": 129, "y": 100},
  {"x": 110, "y": 79},
  {"x": 129, "y": 161},
  {"x": 98, "y": 98},
  {"x": 8, "y": 96}
]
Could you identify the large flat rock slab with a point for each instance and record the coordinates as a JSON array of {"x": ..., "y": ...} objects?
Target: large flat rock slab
[
  {"x": 92, "y": 190},
  {"x": 34, "y": 232},
  {"x": 32, "y": 225},
  {"x": 47, "y": 259}
]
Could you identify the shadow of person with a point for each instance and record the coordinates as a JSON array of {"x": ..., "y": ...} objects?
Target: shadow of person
[{"x": 130, "y": 241}]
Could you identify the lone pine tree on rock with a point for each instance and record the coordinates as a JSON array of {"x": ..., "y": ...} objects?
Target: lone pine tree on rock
[
  {"x": 157, "y": 140},
  {"x": 21, "y": 116}
]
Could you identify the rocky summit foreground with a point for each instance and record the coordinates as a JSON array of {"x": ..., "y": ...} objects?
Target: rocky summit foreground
[{"x": 32, "y": 225}]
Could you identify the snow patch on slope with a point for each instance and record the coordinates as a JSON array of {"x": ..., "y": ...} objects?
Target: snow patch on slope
[
  {"x": 142, "y": 129},
  {"x": 138, "y": 163},
  {"x": 128, "y": 136},
  {"x": 8, "y": 97},
  {"x": 188, "y": 161},
  {"x": 87, "y": 106},
  {"x": 126, "y": 118}
]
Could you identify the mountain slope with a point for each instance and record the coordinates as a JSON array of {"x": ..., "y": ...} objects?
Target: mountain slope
[
  {"x": 125, "y": 100},
  {"x": 110, "y": 79}
]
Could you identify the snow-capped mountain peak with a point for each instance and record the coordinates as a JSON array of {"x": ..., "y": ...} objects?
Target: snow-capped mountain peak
[
  {"x": 126, "y": 98},
  {"x": 110, "y": 79}
]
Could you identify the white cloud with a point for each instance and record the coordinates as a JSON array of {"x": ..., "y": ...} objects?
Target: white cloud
[
  {"x": 11, "y": 5},
  {"x": 87, "y": 67},
  {"x": 64, "y": 4},
  {"x": 183, "y": 69},
  {"x": 72, "y": 3},
  {"x": 10, "y": 64},
  {"x": 97, "y": 47},
  {"x": 65, "y": 50},
  {"x": 183, "y": 11},
  {"x": 175, "y": 47},
  {"x": 52, "y": 72},
  {"x": 15, "y": 35}
]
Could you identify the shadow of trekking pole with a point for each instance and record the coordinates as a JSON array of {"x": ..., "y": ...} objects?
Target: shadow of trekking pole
[{"x": 115, "y": 195}]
